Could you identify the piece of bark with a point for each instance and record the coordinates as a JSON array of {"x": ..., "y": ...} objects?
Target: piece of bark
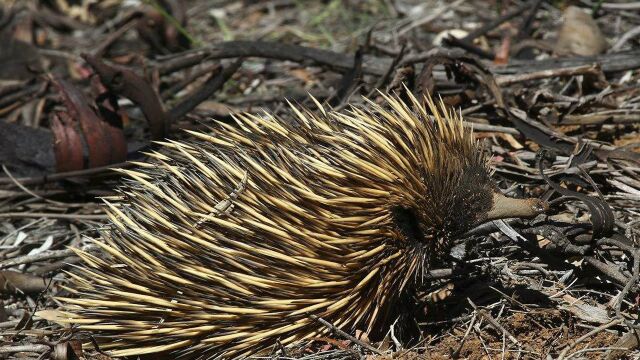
[{"x": 67, "y": 143}]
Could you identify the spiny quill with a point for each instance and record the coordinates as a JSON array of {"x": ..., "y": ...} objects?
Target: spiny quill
[{"x": 224, "y": 245}]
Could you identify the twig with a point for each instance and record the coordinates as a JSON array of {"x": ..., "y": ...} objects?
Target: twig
[
  {"x": 490, "y": 128},
  {"x": 375, "y": 65},
  {"x": 111, "y": 38},
  {"x": 594, "y": 349},
  {"x": 630, "y": 285},
  {"x": 496, "y": 22},
  {"x": 60, "y": 54},
  {"x": 212, "y": 85},
  {"x": 45, "y": 255},
  {"x": 624, "y": 38},
  {"x": 23, "y": 188},
  {"x": 272, "y": 50},
  {"x": 55, "y": 266},
  {"x": 525, "y": 27},
  {"x": 433, "y": 14},
  {"x": 44, "y": 179},
  {"x": 537, "y": 75},
  {"x": 385, "y": 78},
  {"x": 448, "y": 321},
  {"x": 212, "y": 69},
  {"x": 26, "y": 215},
  {"x": 607, "y": 270},
  {"x": 34, "y": 348},
  {"x": 496, "y": 325},
  {"x": 337, "y": 331},
  {"x": 582, "y": 338},
  {"x": 454, "y": 41},
  {"x": 622, "y": 6},
  {"x": 615, "y": 62},
  {"x": 456, "y": 353}
]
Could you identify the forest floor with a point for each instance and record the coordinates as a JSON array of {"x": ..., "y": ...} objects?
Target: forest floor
[{"x": 551, "y": 89}]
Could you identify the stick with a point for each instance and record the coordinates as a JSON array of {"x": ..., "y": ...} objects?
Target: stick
[{"x": 337, "y": 331}]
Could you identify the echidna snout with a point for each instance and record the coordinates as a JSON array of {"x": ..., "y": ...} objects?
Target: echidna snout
[{"x": 226, "y": 244}]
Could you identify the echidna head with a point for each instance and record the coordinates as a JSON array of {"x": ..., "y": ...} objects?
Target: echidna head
[
  {"x": 442, "y": 186},
  {"x": 447, "y": 208}
]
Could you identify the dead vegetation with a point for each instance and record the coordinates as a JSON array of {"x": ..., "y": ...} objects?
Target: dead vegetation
[{"x": 86, "y": 86}]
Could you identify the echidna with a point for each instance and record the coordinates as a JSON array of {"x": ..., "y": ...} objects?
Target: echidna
[{"x": 229, "y": 243}]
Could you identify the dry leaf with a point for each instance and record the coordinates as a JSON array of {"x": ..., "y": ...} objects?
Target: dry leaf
[{"x": 579, "y": 35}]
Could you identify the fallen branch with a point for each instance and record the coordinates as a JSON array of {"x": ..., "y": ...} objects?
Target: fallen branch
[{"x": 45, "y": 255}]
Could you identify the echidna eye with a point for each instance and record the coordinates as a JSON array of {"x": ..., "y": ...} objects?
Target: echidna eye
[{"x": 408, "y": 223}]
